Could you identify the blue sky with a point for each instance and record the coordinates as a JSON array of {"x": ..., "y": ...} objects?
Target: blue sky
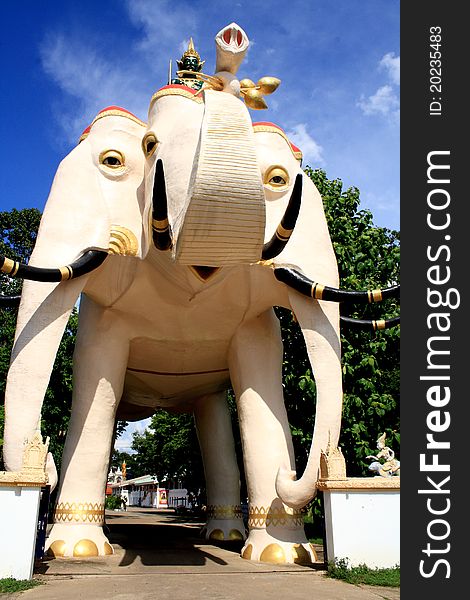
[{"x": 338, "y": 61}]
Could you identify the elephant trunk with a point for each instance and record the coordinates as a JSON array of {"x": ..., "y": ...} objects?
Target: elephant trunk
[
  {"x": 319, "y": 322},
  {"x": 231, "y": 44},
  {"x": 224, "y": 219}
]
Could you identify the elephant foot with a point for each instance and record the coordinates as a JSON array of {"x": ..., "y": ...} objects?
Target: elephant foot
[
  {"x": 278, "y": 547},
  {"x": 224, "y": 523},
  {"x": 78, "y": 541}
]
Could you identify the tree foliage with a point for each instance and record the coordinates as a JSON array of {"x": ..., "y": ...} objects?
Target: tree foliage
[{"x": 169, "y": 449}]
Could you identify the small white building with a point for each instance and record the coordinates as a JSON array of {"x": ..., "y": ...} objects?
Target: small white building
[{"x": 141, "y": 491}]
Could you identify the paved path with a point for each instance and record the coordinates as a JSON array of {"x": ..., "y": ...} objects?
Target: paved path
[{"x": 161, "y": 557}]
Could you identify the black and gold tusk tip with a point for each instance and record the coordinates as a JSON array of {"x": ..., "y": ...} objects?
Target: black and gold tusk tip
[
  {"x": 87, "y": 262},
  {"x": 286, "y": 227},
  {"x": 371, "y": 324},
  {"x": 307, "y": 287},
  {"x": 161, "y": 230}
]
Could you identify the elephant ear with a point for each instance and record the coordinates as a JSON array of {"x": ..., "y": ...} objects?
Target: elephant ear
[
  {"x": 94, "y": 203},
  {"x": 309, "y": 249},
  {"x": 75, "y": 217}
]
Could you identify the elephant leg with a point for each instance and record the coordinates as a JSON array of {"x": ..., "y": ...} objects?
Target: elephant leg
[
  {"x": 214, "y": 430},
  {"x": 276, "y": 532},
  {"x": 100, "y": 361}
]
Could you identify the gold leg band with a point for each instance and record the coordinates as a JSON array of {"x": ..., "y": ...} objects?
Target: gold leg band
[
  {"x": 162, "y": 225},
  {"x": 79, "y": 512},
  {"x": 220, "y": 511},
  {"x": 282, "y": 233},
  {"x": 259, "y": 516}
]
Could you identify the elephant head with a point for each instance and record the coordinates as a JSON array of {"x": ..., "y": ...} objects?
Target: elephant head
[
  {"x": 208, "y": 201},
  {"x": 95, "y": 208},
  {"x": 214, "y": 194}
]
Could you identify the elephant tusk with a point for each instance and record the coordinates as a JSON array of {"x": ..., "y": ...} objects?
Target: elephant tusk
[
  {"x": 374, "y": 324},
  {"x": 87, "y": 262},
  {"x": 307, "y": 287},
  {"x": 285, "y": 228},
  {"x": 9, "y": 301},
  {"x": 161, "y": 229}
]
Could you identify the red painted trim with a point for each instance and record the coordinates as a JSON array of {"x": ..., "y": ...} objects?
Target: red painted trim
[
  {"x": 177, "y": 86},
  {"x": 269, "y": 124},
  {"x": 117, "y": 108}
]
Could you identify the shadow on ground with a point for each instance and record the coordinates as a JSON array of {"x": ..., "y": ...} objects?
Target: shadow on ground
[
  {"x": 161, "y": 544},
  {"x": 146, "y": 538}
]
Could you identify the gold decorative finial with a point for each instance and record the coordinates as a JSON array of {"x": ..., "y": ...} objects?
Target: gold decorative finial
[
  {"x": 191, "y": 51},
  {"x": 253, "y": 92},
  {"x": 332, "y": 463}
]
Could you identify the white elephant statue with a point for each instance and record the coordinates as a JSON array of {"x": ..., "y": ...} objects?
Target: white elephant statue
[{"x": 203, "y": 234}]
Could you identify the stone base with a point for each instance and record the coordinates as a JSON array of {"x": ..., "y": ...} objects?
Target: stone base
[
  {"x": 362, "y": 520},
  {"x": 19, "y": 507}
]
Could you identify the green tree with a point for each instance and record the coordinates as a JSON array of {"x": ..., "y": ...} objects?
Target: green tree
[
  {"x": 134, "y": 468},
  {"x": 169, "y": 449}
]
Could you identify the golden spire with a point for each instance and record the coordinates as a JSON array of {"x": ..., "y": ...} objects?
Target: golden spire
[{"x": 191, "y": 51}]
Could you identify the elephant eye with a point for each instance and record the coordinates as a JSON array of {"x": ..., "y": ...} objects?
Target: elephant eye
[
  {"x": 112, "y": 159},
  {"x": 149, "y": 144},
  {"x": 276, "y": 178}
]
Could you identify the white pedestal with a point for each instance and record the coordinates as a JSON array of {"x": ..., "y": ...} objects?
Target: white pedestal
[
  {"x": 19, "y": 507},
  {"x": 362, "y": 520}
]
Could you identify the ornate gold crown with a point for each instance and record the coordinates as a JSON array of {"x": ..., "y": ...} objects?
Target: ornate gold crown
[{"x": 191, "y": 51}]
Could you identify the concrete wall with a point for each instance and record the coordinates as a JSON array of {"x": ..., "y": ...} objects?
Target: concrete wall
[
  {"x": 363, "y": 526},
  {"x": 19, "y": 508}
]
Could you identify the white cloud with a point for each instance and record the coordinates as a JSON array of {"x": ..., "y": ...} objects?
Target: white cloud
[
  {"x": 94, "y": 77},
  {"x": 383, "y": 102},
  {"x": 162, "y": 23},
  {"x": 84, "y": 74},
  {"x": 124, "y": 441},
  {"x": 311, "y": 150},
  {"x": 391, "y": 64}
]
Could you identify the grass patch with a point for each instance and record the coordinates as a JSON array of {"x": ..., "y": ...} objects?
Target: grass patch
[
  {"x": 9, "y": 585},
  {"x": 316, "y": 540},
  {"x": 364, "y": 574}
]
